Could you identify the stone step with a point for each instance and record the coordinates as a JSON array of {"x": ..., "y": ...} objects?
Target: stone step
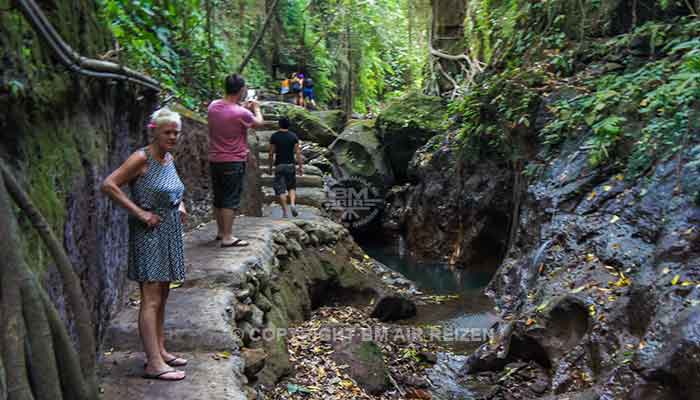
[
  {"x": 269, "y": 125},
  {"x": 264, "y": 138},
  {"x": 305, "y": 212},
  {"x": 314, "y": 197},
  {"x": 197, "y": 319},
  {"x": 207, "y": 378},
  {"x": 303, "y": 181},
  {"x": 308, "y": 169},
  {"x": 264, "y": 163}
]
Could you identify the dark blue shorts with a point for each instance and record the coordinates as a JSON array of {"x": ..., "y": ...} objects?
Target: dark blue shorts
[
  {"x": 309, "y": 94},
  {"x": 285, "y": 179},
  {"x": 227, "y": 183}
]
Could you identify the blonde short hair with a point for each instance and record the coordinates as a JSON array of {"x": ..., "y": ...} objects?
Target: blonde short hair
[{"x": 165, "y": 116}]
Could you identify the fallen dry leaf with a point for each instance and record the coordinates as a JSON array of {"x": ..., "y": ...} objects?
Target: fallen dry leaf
[{"x": 675, "y": 279}]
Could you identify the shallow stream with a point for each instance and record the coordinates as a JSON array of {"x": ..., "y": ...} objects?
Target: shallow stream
[{"x": 468, "y": 314}]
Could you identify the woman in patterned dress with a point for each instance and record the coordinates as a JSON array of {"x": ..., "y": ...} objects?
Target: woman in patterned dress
[{"x": 155, "y": 234}]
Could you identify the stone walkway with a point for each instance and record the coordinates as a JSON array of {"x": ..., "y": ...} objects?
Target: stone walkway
[{"x": 200, "y": 318}]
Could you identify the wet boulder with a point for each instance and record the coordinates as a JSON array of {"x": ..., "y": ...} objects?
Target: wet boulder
[
  {"x": 566, "y": 321},
  {"x": 311, "y": 151},
  {"x": 358, "y": 153},
  {"x": 335, "y": 119},
  {"x": 406, "y": 125},
  {"x": 310, "y": 127},
  {"x": 394, "y": 308}
]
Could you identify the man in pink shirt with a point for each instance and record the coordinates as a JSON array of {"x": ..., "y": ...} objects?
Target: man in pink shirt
[{"x": 228, "y": 153}]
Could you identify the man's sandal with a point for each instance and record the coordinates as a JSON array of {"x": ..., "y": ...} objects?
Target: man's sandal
[{"x": 161, "y": 376}]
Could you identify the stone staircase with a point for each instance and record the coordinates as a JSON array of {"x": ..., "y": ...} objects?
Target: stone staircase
[
  {"x": 309, "y": 186},
  {"x": 200, "y": 319}
]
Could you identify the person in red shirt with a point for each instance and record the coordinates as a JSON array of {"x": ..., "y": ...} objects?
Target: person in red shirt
[{"x": 228, "y": 153}]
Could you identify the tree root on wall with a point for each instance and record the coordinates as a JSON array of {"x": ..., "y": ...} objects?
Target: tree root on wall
[
  {"x": 471, "y": 67},
  {"x": 37, "y": 357}
]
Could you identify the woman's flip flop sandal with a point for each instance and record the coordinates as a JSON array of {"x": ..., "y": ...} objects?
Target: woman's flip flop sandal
[
  {"x": 174, "y": 362},
  {"x": 161, "y": 376},
  {"x": 236, "y": 243},
  {"x": 177, "y": 362}
]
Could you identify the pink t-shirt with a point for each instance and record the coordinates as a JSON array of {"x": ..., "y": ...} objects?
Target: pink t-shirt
[{"x": 228, "y": 124}]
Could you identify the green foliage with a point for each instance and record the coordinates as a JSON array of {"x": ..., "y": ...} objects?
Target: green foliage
[
  {"x": 659, "y": 96},
  {"x": 170, "y": 42},
  {"x": 413, "y": 111},
  {"x": 382, "y": 58},
  {"x": 497, "y": 114},
  {"x": 493, "y": 26},
  {"x": 166, "y": 40}
]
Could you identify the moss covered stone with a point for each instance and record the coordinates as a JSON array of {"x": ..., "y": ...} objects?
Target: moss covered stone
[
  {"x": 365, "y": 361},
  {"x": 308, "y": 126},
  {"x": 358, "y": 152},
  {"x": 406, "y": 125},
  {"x": 335, "y": 119}
]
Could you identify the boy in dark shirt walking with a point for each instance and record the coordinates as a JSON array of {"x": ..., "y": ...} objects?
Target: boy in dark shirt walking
[{"x": 284, "y": 145}]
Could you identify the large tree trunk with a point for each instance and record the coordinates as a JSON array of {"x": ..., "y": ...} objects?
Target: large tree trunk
[
  {"x": 448, "y": 36},
  {"x": 42, "y": 359}
]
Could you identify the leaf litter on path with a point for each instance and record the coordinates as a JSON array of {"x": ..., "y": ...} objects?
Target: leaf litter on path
[{"x": 317, "y": 376}]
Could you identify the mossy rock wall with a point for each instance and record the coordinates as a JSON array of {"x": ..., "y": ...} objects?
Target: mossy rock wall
[
  {"x": 406, "y": 125},
  {"x": 318, "y": 273},
  {"x": 62, "y": 134}
]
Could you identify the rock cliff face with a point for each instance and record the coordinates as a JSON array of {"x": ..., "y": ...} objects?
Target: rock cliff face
[
  {"x": 601, "y": 281},
  {"x": 456, "y": 212},
  {"x": 599, "y": 272},
  {"x": 62, "y": 134}
]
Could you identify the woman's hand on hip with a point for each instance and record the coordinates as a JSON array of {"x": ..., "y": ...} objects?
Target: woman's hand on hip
[
  {"x": 150, "y": 219},
  {"x": 183, "y": 214}
]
